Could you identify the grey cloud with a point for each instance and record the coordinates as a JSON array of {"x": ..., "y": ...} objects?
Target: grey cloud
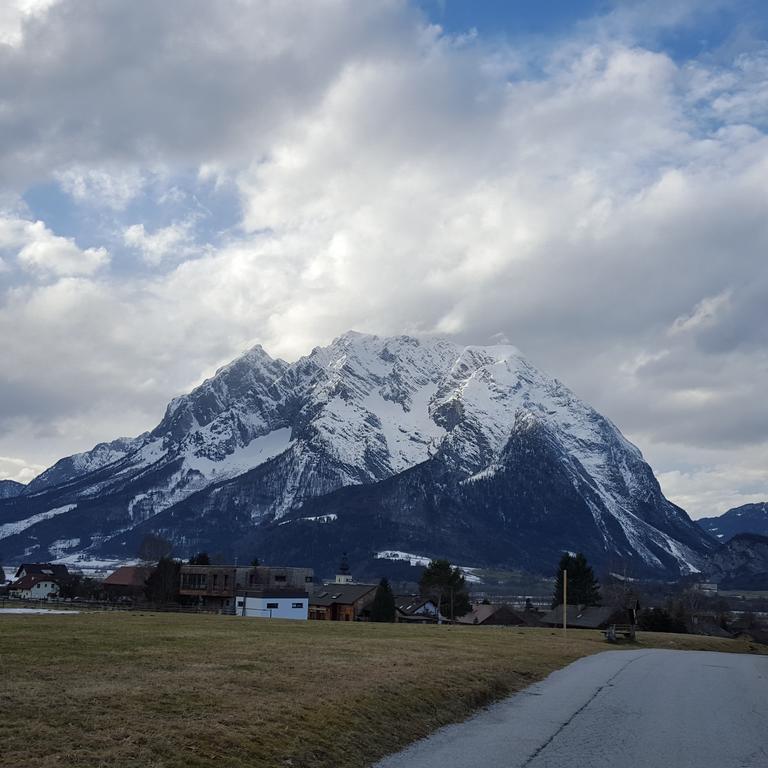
[
  {"x": 393, "y": 180},
  {"x": 105, "y": 80}
]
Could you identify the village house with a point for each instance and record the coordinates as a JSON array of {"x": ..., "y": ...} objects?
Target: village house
[
  {"x": 341, "y": 602},
  {"x": 273, "y": 603},
  {"x": 55, "y": 571},
  {"x": 342, "y": 599},
  {"x": 486, "y": 614},
  {"x": 412, "y": 609},
  {"x": 34, "y": 586},
  {"x": 127, "y": 583},
  {"x": 216, "y": 586},
  {"x": 38, "y": 581},
  {"x": 581, "y": 617}
]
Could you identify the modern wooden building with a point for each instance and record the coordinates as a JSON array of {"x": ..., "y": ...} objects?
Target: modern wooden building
[
  {"x": 341, "y": 602},
  {"x": 215, "y": 586}
]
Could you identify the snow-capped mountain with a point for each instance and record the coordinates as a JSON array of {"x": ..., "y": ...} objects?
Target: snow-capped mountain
[
  {"x": 748, "y": 518},
  {"x": 240, "y": 460}
]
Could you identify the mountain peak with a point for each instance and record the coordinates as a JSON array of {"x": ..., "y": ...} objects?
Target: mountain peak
[{"x": 262, "y": 438}]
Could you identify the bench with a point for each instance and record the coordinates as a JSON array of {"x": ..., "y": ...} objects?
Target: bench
[{"x": 614, "y": 630}]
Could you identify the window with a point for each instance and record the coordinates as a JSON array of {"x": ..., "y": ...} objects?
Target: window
[
  {"x": 280, "y": 577},
  {"x": 297, "y": 605},
  {"x": 308, "y": 579},
  {"x": 273, "y": 605},
  {"x": 215, "y": 580},
  {"x": 226, "y": 580},
  {"x": 193, "y": 581}
]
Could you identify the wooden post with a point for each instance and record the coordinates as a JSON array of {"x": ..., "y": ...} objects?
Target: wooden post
[{"x": 565, "y": 603}]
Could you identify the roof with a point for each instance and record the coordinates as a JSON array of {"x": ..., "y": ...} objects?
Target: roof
[
  {"x": 57, "y": 570},
  {"x": 485, "y": 612},
  {"x": 275, "y": 592},
  {"x": 128, "y": 576},
  {"x": 592, "y": 617},
  {"x": 411, "y": 603},
  {"x": 344, "y": 594},
  {"x": 29, "y": 581}
]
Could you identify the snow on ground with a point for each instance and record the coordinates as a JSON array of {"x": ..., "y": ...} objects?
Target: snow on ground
[
  {"x": 92, "y": 566},
  {"x": 423, "y": 561},
  {"x": 60, "y": 547},
  {"x": 11, "y": 529},
  {"x": 329, "y": 518},
  {"x": 38, "y": 611},
  {"x": 396, "y": 555}
]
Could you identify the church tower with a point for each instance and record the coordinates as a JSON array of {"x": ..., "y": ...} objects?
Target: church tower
[{"x": 344, "y": 576}]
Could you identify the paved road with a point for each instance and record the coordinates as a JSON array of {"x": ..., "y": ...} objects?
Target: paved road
[{"x": 625, "y": 709}]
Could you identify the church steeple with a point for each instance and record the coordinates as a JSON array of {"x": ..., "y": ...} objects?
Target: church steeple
[{"x": 344, "y": 576}]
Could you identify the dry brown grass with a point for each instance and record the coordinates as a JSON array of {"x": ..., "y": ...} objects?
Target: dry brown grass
[{"x": 167, "y": 690}]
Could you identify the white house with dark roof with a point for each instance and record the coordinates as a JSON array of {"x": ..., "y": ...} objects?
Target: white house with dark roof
[
  {"x": 34, "y": 586},
  {"x": 273, "y": 603}
]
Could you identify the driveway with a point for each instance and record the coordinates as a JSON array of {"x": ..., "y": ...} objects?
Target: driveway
[{"x": 634, "y": 709}]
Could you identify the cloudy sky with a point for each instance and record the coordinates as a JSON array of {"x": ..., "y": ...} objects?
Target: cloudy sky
[{"x": 589, "y": 180}]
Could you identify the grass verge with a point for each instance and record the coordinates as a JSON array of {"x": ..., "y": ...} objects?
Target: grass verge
[{"x": 166, "y": 690}]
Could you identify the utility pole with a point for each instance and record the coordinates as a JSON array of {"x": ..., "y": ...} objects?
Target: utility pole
[{"x": 565, "y": 603}]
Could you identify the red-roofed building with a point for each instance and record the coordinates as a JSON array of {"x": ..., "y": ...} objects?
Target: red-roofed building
[
  {"x": 34, "y": 586},
  {"x": 127, "y": 581},
  {"x": 55, "y": 571}
]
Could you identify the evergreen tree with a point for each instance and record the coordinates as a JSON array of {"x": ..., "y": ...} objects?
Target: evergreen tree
[
  {"x": 383, "y": 605},
  {"x": 447, "y": 587},
  {"x": 201, "y": 558},
  {"x": 162, "y": 586},
  {"x": 154, "y": 548},
  {"x": 583, "y": 587}
]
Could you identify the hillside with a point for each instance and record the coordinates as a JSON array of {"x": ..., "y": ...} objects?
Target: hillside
[{"x": 748, "y": 518}]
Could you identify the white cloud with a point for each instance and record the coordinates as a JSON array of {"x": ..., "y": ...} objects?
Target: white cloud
[
  {"x": 14, "y": 14},
  {"x": 175, "y": 240},
  {"x": 101, "y": 187},
  {"x": 726, "y": 480},
  {"x": 42, "y": 252},
  {"x": 18, "y": 469},
  {"x": 600, "y": 208},
  {"x": 705, "y": 314}
]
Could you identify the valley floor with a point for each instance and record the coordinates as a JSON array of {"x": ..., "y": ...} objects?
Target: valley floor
[{"x": 167, "y": 690}]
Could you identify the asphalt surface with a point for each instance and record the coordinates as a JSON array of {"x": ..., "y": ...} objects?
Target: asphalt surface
[{"x": 633, "y": 709}]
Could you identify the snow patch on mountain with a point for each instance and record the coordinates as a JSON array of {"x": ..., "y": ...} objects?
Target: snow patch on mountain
[
  {"x": 251, "y": 455},
  {"x": 422, "y": 561},
  {"x": 11, "y": 529}
]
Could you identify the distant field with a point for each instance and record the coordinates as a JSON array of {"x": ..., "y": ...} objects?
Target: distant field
[{"x": 167, "y": 690}]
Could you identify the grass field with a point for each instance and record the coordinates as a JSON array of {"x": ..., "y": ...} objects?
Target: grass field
[{"x": 168, "y": 690}]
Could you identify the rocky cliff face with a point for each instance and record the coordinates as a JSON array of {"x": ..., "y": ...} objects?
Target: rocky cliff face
[
  {"x": 467, "y": 450},
  {"x": 741, "y": 563}
]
